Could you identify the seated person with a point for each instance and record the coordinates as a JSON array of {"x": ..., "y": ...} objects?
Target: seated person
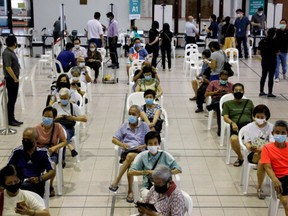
[
  {"x": 164, "y": 194},
  {"x": 149, "y": 83},
  {"x": 17, "y": 201},
  {"x": 197, "y": 83},
  {"x": 216, "y": 89},
  {"x": 146, "y": 161},
  {"x": 66, "y": 58},
  {"x": 93, "y": 59},
  {"x": 32, "y": 162},
  {"x": 130, "y": 137},
  {"x": 76, "y": 84},
  {"x": 257, "y": 134},
  {"x": 138, "y": 74},
  {"x": 85, "y": 71},
  {"x": 78, "y": 50},
  {"x": 136, "y": 52},
  {"x": 150, "y": 112},
  {"x": 67, "y": 115},
  {"x": 237, "y": 113},
  {"x": 275, "y": 161}
]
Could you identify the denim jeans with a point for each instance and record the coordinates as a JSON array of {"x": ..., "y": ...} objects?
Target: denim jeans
[{"x": 281, "y": 59}]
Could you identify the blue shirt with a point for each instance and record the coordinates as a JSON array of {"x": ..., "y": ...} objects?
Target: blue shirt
[
  {"x": 67, "y": 59},
  {"x": 241, "y": 26},
  {"x": 145, "y": 161},
  {"x": 214, "y": 28},
  {"x": 142, "y": 53},
  {"x": 31, "y": 166},
  {"x": 132, "y": 138}
]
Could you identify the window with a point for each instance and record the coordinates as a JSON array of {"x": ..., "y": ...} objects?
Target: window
[
  {"x": 171, "y": 2},
  {"x": 205, "y": 7}
]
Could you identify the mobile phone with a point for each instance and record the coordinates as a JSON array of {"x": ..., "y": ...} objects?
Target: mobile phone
[
  {"x": 146, "y": 205},
  {"x": 20, "y": 204}
]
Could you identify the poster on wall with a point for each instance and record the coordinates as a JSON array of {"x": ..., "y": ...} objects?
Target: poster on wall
[
  {"x": 134, "y": 9},
  {"x": 254, "y": 5}
]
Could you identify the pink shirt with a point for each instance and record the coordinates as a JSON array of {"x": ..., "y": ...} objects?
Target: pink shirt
[
  {"x": 215, "y": 85},
  {"x": 44, "y": 135}
]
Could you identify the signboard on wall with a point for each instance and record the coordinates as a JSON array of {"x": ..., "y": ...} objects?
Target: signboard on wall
[
  {"x": 254, "y": 5},
  {"x": 134, "y": 9}
]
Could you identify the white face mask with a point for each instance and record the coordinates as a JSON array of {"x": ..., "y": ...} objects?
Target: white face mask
[
  {"x": 260, "y": 13},
  {"x": 75, "y": 79},
  {"x": 77, "y": 46},
  {"x": 153, "y": 149},
  {"x": 82, "y": 64},
  {"x": 92, "y": 49},
  {"x": 260, "y": 121}
]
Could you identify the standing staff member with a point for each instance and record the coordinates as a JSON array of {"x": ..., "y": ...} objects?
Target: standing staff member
[
  {"x": 112, "y": 35},
  {"x": 11, "y": 68},
  {"x": 191, "y": 31}
]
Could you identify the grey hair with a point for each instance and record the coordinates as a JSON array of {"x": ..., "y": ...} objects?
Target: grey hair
[
  {"x": 32, "y": 131},
  {"x": 76, "y": 68},
  {"x": 162, "y": 172},
  {"x": 64, "y": 91},
  {"x": 281, "y": 123},
  {"x": 135, "y": 107}
]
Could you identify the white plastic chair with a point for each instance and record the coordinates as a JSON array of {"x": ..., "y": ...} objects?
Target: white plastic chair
[
  {"x": 37, "y": 197},
  {"x": 76, "y": 140},
  {"x": 46, "y": 194},
  {"x": 3, "y": 44},
  {"x": 121, "y": 42},
  {"x": 196, "y": 63},
  {"x": 32, "y": 78},
  {"x": 173, "y": 46},
  {"x": 274, "y": 202},
  {"x": 59, "y": 172},
  {"x": 188, "y": 204},
  {"x": 21, "y": 91},
  {"x": 164, "y": 132},
  {"x": 45, "y": 59},
  {"x": 103, "y": 55},
  {"x": 233, "y": 58},
  {"x": 210, "y": 113},
  {"x": 189, "y": 50},
  {"x": 250, "y": 43},
  {"x": 135, "y": 98},
  {"x": 54, "y": 72}
]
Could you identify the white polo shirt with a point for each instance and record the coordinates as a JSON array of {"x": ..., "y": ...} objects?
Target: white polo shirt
[{"x": 94, "y": 29}]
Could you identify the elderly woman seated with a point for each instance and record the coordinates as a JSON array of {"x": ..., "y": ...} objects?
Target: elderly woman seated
[
  {"x": 76, "y": 84},
  {"x": 140, "y": 75},
  {"x": 257, "y": 134},
  {"x": 94, "y": 59},
  {"x": 167, "y": 199},
  {"x": 150, "y": 112},
  {"x": 84, "y": 71},
  {"x": 149, "y": 83}
]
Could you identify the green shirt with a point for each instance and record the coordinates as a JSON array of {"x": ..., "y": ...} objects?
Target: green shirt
[
  {"x": 145, "y": 161},
  {"x": 234, "y": 109}
]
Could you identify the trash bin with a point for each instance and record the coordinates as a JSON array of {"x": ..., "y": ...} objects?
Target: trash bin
[{"x": 37, "y": 48}]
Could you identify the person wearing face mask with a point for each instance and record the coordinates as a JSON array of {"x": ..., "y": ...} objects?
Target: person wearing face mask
[
  {"x": 78, "y": 50},
  {"x": 259, "y": 22},
  {"x": 237, "y": 113},
  {"x": 34, "y": 163},
  {"x": 148, "y": 82},
  {"x": 76, "y": 84},
  {"x": 12, "y": 195},
  {"x": 282, "y": 43},
  {"x": 11, "y": 70},
  {"x": 85, "y": 71},
  {"x": 242, "y": 28},
  {"x": 275, "y": 161},
  {"x": 112, "y": 35},
  {"x": 130, "y": 138},
  {"x": 95, "y": 31},
  {"x": 191, "y": 31},
  {"x": 268, "y": 50},
  {"x": 51, "y": 136},
  {"x": 153, "y": 43},
  {"x": 146, "y": 161},
  {"x": 212, "y": 30},
  {"x": 258, "y": 133},
  {"x": 93, "y": 59},
  {"x": 67, "y": 58},
  {"x": 164, "y": 195},
  {"x": 165, "y": 40}
]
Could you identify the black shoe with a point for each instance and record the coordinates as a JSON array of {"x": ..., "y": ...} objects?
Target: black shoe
[
  {"x": 115, "y": 66},
  {"x": 19, "y": 122},
  {"x": 110, "y": 66},
  {"x": 74, "y": 153},
  {"x": 198, "y": 110},
  {"x": 262, "y": 94},
  {"x": 63, "y": 164},
  {"x": 271, "y": 95},
  {"x": 14, "y": 123}
]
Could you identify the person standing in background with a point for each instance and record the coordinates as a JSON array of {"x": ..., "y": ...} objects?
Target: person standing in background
[
  {"x": 242, "y": 26},
  {"x": 166, "y": 38},
  {"x": 228, "y": 31},
  {"x": 11, "y": 69},
  {"x": 258, "y": 22},
  {"x": 212, "y": 30},
  {"x": 191, "y": 31},
  {"x": 94, "y": 30},
  {"x": 154, "y": 42},
  {"x": 57, "y": 29},
  {"x": 112, "y": 35}
]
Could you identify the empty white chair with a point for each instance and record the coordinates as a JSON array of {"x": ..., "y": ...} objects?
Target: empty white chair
[
  {"x": 274, "y": 202},
  {"x": 189, "y": 50},
  {"x": 173, "y": 46},
  {"x": 164, "y": 132},
  {"x": 21, "y": 91},
  {"x": 210, "y": 113},
  {"x": 196, "y": 63},
  {"x": 32, "y": 78},
  {"x": 103, "y": 55},
  {"x": 3, "y": 44},
  {"x": 188, "y": 204},
  {"x": 250, "y": 43},
  {"x": 121, "y": 42},
  {"x": 233, "y": 58},
  {"x": 136, "y": 98},
  {"x": 76, "y": 140}
]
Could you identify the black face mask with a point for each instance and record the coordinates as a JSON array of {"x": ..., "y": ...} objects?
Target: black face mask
[
  {"x": 13, "y": 188},
  {"x": 27, "y": 144},
  {"x": 238, "y": 95},
  {"x": 163, "y": 189},
  {"x": 63, "y": 85}
]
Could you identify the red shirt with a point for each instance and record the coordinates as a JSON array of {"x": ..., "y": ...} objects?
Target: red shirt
[
  {"x": 215, "y": 86},
  {"x": 277, "y": 157}
]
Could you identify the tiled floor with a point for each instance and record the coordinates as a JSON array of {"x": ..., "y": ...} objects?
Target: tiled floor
[{"x": 213, "y": 185}]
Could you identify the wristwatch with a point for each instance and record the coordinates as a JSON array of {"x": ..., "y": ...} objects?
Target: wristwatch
[{"x": 40, "y": 179}]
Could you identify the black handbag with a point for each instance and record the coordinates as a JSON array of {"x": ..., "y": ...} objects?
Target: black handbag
[
  {"x": 69, "y": 124},
  {"x": 148, "y": 48},
  {"x": 227, "y": 67}
]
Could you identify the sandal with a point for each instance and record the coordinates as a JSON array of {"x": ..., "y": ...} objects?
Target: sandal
[
  {"x": 113, "y": 188},
  {"x": 130, "y": 198},
  {"x": 74, "y": 153},
  {"x": 238, "y": 163},
  {"x": 260, "y": 194}
]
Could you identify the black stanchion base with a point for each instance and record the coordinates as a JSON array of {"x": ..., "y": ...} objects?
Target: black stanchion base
[{"x": 8, "y": 131}]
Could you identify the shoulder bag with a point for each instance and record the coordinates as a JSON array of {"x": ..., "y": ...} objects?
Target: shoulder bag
[{"x": 154, "y": 166}]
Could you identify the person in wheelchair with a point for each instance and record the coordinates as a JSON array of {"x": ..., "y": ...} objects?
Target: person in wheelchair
[
  {"x": 130, "y": 137},
  {"x": 146, "y": 161},
  {"x": 256, "y": 135}
]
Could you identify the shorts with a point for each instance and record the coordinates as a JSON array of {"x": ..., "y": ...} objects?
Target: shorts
[
  {"x": 239, "y": 127},
  {"x": 284, "y": 182},
  {"x": 250, "y": 157},
  {"x": 54, "y": 157}
]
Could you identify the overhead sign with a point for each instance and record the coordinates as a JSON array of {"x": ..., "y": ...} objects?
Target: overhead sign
[
  {"x": 254, "y": 5},
  {"x": 134, "y": 9}
]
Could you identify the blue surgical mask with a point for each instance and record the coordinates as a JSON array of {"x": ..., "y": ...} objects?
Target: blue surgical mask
[
  {"x": 137, "y": 45},
  {"x": 64, "y": 102},
  {"x": 223, "y": 82},
  {"x": 148, "y": 77},
  {"x": 282, "y": 26},
  {"x": 47, "y": 121},
  {"x": 149, "y": 101},
  {"x": 280, "y": 138},
  {"x": 132, "y": 119}
]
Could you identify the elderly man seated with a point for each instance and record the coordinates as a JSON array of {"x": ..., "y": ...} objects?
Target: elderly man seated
[
  {"x": 16, "y": 201},
  {"x": 130, "y": 137},
  {"x": 85, "y": 71},
  {"x": 75, "y": 82},
  {"x": 78, "y": 50},
  {"x": 164, "y": 195},
  {"x": 146, "y": 161},
  {"x": 32, "y": 162}
]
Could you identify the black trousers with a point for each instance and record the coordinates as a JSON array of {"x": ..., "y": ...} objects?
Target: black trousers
[
  {"x": 36, "y": 188},
  {"x": 12, "y": 91},
  {"x": 155, "y": 51},
  {"x": 95, "y": 66},
  {"x": 190, "y": 40},
  {"x": 241, "y": 40},
  {"x": 113, "y": 50},
  {"x": 164, "y": 50},
  {"x": 201, "y": 95},
  {"x": 268, "y": 68}
]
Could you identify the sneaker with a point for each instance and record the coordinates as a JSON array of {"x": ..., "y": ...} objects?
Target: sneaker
[
  {"x": 262, "y": 94},
  {"x": 199, "y": 110},
  {"x": 277, "y": 80},
  {"x": 271, "y": 95},
  {"x": 284, "y": 76}
]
